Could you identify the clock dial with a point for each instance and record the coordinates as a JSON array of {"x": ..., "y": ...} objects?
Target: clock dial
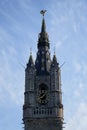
[{"x": 43, "y": 96}]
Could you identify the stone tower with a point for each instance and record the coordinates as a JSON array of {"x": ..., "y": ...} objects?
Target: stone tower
[{"x": 43, "y": 108}]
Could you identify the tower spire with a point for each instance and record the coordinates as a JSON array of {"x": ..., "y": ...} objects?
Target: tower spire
[
  {"x": 43, "y": 28},
  {"x": 43, "y": 60},
  {"x": 54, "y": 50},
  {"x": 43, "y": 39},
  {"x": 43, "y": 109},
  {"x": 30, "y": 51}
]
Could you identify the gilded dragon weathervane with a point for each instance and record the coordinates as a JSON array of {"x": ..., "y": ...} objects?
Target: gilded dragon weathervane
[{"x": 43, "y": 12}]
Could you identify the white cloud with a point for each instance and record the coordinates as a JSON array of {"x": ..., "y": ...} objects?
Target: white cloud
[
  {"x": 63, "y": 16},
  {"x": 75, "y": 27},
  {"x": 11, "y": 86},
  {"x": 4, "y": 2},
  {"x": 78, "y": 121},
  {"x": 4, "y": 35},
  {"x": 79, "y": 91},
  {"x": 58, "y": 44},
  {"x": 78, "y": 66}
]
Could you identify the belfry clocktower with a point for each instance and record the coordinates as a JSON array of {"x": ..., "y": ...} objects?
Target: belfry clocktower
[{"x": 43, "y": 108}]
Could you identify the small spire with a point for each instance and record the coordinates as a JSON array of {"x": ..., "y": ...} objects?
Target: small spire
[
  {"x": 30, "y": 62},
  {"x": 30, "y": 51},
  {"x": 54, "y": 59},
  {"x": 54, "y": 50},
  {"x": 54, "y": 56}
]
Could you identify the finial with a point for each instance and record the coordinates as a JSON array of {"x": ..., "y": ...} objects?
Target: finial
[
  {"x": 30, "y": 51},
  {"x": 54, "y": 50},
  {"x": 43, "y": 12}
]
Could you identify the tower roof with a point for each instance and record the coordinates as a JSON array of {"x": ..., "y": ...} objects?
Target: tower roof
[
  {"x": 30, "y": 62},
  {"x": 54, "y": 61}
]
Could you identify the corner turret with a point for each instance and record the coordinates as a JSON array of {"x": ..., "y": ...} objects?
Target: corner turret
[
  {"x": 54, "y": 62},
  {"x": 30, "y": 62}
]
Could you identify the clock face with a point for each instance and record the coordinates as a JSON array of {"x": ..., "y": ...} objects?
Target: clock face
[{"x": 42, "y": 95}]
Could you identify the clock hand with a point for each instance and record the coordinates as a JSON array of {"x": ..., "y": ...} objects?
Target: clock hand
[{"x": 42, "y": 96}]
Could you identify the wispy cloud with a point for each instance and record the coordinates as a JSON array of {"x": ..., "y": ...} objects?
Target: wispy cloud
[
  {"x": 11, "y": 87},
  {"x": 5, "y": 36},
  {"x": 67, "y": 25},
  {"x": 79, "y": 119}
]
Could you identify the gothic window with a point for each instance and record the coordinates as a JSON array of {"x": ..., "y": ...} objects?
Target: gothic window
[
  {"x": 51, "y": 111},
  {"x": 45, "y": 111},
  {"x": 42, "y": 111},
  {"x": 39, "y": 111},
  {"x": 34, "y": 112},
  {"x": 48, "y": 111}
]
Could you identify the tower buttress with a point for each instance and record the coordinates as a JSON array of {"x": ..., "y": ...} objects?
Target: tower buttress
[
  {"x": 29, "y": 94},
  {"x": 56, "y": 88}
]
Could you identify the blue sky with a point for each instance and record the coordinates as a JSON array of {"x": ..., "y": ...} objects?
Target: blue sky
[{"x": 20, "y": 24}]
